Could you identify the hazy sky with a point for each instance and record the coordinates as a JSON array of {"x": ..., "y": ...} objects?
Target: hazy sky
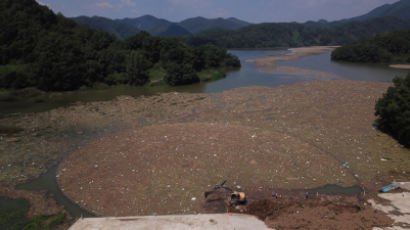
[{"x": 249, "y": 10}]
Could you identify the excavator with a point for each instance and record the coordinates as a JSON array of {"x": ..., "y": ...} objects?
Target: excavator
[{"x": 231, "y": 197}]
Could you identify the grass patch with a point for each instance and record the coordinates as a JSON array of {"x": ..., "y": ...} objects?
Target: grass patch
[
  {"x": 12, "y": 68},
  {"x": 156, "y": 74},
  {"x": 211, "y": 74}
]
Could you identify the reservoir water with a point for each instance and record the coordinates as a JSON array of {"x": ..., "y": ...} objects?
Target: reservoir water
[{"x": 248, "y": 75}]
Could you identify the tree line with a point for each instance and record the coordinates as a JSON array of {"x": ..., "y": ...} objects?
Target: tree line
[
  {"x": 41, "y": 49},
  {"x": 272, "y": 35},
  {"x": 392, "y": 47},
  {"x": 393, "y": 110}
]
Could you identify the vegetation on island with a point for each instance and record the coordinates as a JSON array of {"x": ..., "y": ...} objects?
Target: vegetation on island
[
  {"x": 392, "y": 47},
  {"x": 52, "y": 53},
  {"x": 393, "y": 110}
]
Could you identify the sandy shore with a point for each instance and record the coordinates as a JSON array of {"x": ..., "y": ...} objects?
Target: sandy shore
[
  {"x": 400, "y": 66},
  {"x": 268, "y": 64}
]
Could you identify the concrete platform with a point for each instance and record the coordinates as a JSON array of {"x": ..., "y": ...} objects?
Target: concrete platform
[{"x": 180, "y": 222}]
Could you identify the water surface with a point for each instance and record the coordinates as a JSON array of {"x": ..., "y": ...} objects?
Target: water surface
[{"x": 248, "y": 75}]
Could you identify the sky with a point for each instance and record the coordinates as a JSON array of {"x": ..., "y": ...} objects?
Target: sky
[{"x": 249, "y": 10}]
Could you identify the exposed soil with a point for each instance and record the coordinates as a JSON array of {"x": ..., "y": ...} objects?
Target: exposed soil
[
  {"x": 324, "y": 213},
  {"x": 291, "y": 210}
]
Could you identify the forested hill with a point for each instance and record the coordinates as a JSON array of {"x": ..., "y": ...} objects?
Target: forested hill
[
  {"x": 53, "y": 53},
  {"x": 156, "y": 26},
  {"x": 269, "y": 35},
  {"x": 400, "y": 9},
  {"x": 200, "y": 24},
  {"x": 119, "y": 29},
  {"x": 126, "y": 27},
  {"x": 393, "y": 47}
]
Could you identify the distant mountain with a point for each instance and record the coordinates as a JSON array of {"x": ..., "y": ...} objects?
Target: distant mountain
[
  {"x": 271, "y": 35},
  {"x": 156, "y": 26},
  {"x": 400, "y": 9},
  {"x": 119, "y": 29},
  {"x": 199, "y": 24}
]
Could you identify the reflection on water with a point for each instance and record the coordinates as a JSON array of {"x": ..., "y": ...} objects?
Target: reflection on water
[
  {"x": 48, "y": 182},
  {"x": 332, "y": 189}
]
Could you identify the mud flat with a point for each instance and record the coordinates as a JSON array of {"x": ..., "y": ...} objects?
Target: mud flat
[
  {"x": 166, "y": 169},
  {"x": 269, "y": 64},
  {"x": 300, "y": 136},
  {"x": 181, "y": 144}
]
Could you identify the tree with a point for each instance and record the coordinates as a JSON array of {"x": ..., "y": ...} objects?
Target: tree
[
  {"x": 180, "y": 75},
  {"x": 393, "y": 110},
  {"x": 137, "y": 68}
]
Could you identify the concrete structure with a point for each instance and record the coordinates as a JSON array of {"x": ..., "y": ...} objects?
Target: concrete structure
[
  {"x": 398, "y": 209},
  {"x": 180, "y": 222}
]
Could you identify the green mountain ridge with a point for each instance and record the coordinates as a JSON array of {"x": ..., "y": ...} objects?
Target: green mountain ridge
[
  {"x": 400, "y": 9},
  {"x": 199, "y": 24},
  {"x": 271, "y": 35},
  {"x": 156, "y": 26},
  {"x": 119, "y": 29},
  {"x": 123, "y": 28}
]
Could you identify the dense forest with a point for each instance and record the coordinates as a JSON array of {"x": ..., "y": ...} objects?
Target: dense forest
[
  {"x": 392, "y": 47},
  {"x": 269, "y": 35},
  {"x": 393, "y": 110},
  {"x": 50, "y": 52}
]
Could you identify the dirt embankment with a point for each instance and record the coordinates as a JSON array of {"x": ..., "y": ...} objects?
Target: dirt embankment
[{"x": 325, "y": 213}]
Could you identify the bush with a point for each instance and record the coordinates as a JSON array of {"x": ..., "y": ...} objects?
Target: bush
[
  {"x": 137, "y": 68},
  {"x": 393, "y": 110}
]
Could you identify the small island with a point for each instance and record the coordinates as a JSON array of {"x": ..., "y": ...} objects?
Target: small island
[{"x": 390, "y": 48}]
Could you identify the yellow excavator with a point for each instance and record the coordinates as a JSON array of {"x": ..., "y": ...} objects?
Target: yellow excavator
[{"x": 231, "y": 197}]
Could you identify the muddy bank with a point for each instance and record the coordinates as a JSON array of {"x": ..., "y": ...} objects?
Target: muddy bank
[
  {"x": 291, "y": 209},
  {"x": 324, "y": 213}
]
